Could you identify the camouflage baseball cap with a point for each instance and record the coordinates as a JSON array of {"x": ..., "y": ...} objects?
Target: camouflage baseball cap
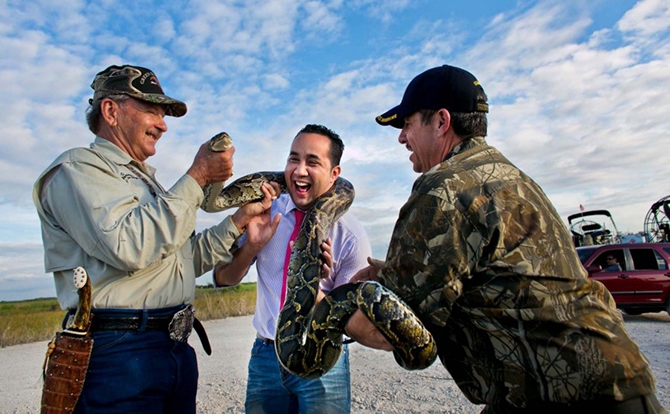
[{"x": 135, "y": 81}]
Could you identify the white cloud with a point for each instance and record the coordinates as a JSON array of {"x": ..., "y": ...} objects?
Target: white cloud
[
  {"x": 583, "y": 112},
  {"x": 320, "y": 20},
  {"x": 646, "y": 18},
  {"x": 380, "y": 9},
  {"x": 275, "y": 81}
]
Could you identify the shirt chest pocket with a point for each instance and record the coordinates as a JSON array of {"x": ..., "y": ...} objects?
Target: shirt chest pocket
[{"x": 141, "y": 189}]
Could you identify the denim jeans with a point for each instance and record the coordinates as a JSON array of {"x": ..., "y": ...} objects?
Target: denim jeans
[
  {"x": 272, "y": 389},
  {"x": 141, "y": 371}
]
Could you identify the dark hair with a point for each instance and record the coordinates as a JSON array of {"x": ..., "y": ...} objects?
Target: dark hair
[
  {"x": 336, "y": 144},
  {"x": 465, "y": 124},
  {"x": 93, "y": 111}
]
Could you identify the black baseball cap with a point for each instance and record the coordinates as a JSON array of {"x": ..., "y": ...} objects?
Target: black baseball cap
[
  {"x": 445, "y": 86},
  {"x": 135, "y": 81}
]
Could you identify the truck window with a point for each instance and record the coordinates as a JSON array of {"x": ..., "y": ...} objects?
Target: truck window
[{"x": 647, "y": 259}]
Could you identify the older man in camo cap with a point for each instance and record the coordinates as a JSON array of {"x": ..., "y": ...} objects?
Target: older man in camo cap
[
  {"x": 102, "y": 208},
  {"x": 482, "y": 257}
]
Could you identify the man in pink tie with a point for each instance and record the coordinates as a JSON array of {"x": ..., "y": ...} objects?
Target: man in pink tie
[{"x": 311, "y": 169}]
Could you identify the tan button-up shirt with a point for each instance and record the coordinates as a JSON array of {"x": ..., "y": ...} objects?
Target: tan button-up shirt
[{"x": 102, "y": 210}]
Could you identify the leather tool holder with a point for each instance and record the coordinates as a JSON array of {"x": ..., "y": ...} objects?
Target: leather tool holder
[{"x": 66, "y": 365}]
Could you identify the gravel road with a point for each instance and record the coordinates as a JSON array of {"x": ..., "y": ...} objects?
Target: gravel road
[{"x": 378, "y": 384}]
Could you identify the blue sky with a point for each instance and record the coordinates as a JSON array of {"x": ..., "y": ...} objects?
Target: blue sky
[{"x": 578, "y": 94}]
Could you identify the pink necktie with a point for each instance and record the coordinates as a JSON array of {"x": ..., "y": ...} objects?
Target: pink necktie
[{"x": 299, "y": 215}]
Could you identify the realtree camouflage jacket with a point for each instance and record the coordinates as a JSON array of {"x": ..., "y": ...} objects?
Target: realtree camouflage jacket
[{"x": 483, "y": 258}]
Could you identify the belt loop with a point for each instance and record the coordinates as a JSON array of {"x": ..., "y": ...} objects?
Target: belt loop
[{"x": 145, "y": 319}]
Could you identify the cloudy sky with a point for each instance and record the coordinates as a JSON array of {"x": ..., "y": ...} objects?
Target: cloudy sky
[{"x": 579, "y": 94}]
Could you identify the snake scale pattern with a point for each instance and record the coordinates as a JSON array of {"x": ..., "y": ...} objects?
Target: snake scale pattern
[{"x": 309, "y": 336}]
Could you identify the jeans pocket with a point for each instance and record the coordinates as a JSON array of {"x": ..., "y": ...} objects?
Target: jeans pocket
[
  {"x": 104, "y": 340},
  {"x": 256, "y": 347}
]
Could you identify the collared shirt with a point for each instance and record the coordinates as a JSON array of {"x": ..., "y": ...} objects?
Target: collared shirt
[
  {"x": 481, "y": 255},
  {"x": 351, "y": 248},
  {"x": 97, "y": 210}
]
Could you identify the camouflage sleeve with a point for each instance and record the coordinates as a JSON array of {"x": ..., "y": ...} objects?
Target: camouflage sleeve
[{"x": 430, "y": 254}]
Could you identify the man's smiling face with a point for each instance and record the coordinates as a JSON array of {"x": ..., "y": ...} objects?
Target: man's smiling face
[{"x": 308, "y": 170}]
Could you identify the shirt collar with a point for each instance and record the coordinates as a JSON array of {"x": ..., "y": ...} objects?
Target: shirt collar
[
  {"x": 112, "y": 152},
  {"x": 465, "y": 145},
  {"x": 290, "y": 205}
]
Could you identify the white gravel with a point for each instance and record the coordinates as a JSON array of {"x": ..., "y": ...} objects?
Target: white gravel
[{"x": 378, "y": 384}]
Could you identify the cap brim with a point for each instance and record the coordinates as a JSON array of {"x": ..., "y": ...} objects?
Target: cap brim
[
  {"x": 394, "y": 117},
  {"x": 173, "y": 107}
]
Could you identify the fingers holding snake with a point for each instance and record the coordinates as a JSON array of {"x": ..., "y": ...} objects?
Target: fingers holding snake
[
  {"x": 213, "y": 164},
  {"x": 327, "y": 256}
]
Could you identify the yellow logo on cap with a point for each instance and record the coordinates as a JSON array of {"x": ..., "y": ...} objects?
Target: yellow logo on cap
[
  {"x": 476, "y": 83},
  {"x": 390, "y": 118}
]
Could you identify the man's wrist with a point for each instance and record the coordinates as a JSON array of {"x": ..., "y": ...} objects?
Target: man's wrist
[
  {"x": 197, "y": 177},
  {"x": 240, "y": 229}
]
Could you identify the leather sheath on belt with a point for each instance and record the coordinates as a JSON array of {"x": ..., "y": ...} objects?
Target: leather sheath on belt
[{"x": 66, "y": 366}]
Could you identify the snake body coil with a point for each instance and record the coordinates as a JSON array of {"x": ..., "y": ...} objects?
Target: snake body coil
[{"x": 308, "y": 340}]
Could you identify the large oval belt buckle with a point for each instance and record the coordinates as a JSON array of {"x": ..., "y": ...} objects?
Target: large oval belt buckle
[{"x": 182, "y": 324}]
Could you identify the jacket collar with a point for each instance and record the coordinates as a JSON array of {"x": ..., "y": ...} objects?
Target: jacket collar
[{"x": 465, "y": 145}]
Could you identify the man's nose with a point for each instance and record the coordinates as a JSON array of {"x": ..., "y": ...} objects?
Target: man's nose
[
  {"x": 161, "y": 125},
  {"x": 301, "y": 169}
]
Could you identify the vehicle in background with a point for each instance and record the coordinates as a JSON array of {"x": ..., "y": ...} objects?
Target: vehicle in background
[
  {"x": 642, "y": 281},
  {"x": 592, "y": 230}
]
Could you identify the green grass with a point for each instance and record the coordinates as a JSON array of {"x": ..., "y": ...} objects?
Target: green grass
[{"x": 39, "y": 319}]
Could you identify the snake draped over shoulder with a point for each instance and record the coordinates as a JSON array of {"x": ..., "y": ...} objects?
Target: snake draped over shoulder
[{"x": 309, "y": 335}]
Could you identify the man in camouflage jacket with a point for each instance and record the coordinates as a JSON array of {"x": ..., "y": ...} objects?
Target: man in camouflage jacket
[{"x": 483, "y": 258}]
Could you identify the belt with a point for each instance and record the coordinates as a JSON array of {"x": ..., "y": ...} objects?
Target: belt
[
  {"x": 265, "y": 341},
  {"x": 132, "y": 323},
  {"x": 179, "y": 325}
]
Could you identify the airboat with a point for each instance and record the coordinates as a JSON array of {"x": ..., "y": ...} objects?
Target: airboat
[
  {"x": 657, "y": 222},
  {"x": 593, "y": 227}
]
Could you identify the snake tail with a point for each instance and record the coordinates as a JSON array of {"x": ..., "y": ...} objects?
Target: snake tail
[{"x": 414, "y": 345}]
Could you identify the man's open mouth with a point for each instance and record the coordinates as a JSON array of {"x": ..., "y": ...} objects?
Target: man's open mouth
[{"x": 302, "y": 187}]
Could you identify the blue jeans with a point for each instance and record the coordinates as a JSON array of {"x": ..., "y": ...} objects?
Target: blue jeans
[
  {"x": 272, "y": 389},
  {"x": 141, "y": 371}
]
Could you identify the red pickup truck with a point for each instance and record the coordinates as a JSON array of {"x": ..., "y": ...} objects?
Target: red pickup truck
[{"x": 637, "y": 275}]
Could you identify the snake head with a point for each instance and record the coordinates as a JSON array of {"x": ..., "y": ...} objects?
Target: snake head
[
  {"x": 220, "y": 142},
  {"x": 79, "y": 277}
]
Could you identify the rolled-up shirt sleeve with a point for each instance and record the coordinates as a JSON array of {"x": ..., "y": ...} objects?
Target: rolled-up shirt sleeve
[{"x": 215, "y": 245}]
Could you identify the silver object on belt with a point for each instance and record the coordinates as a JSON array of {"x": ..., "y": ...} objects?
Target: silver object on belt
[{"x": 181, "y": 324}]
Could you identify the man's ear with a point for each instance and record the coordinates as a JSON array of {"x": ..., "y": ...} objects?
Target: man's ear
[
  {"x": 334, "y": 173},
  {"x": 109, "y": 110},
  {"x": 443, "y": 120}
]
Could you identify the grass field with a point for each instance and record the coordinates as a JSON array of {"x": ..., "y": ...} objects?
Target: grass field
[{"x": 39, "y": 319}]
